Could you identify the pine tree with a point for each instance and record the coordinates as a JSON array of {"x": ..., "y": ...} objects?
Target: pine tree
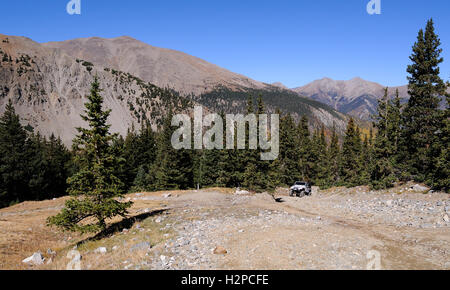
[
  {"x": 141, "y": 181},
  {"x": 139, "y": 151},
  {"x": 208, "y": 164},
  {"x": 421, "y": 117},
  {"x": 334, "y": 158},
  {"x": 147, "y": 145},
  {"x": 130, "y": 152},
  {"x": 255, "y": 176},
  {"x": 440, "y": 176},
  {"x": 47, "y": 170},
  {"x": 351, "y": 150},
  {"x": 173, "y": 168},
  {"x": 384, "y": 170},
  {"x": 94, "y": 187},
  {"x": 226, "y": 166},
  {"x": 365, "y": 160},
  {"x": 275, "y": 175},
  {"x": 304, "y": 156},
  {"x": 13, "y": 162},
  {"x": 322, "y": 162},
  {"x": 289, "y": 153},
  {"x": 207, "y": 167},
  {"x": 395, "y": 123},
  {"x": 38, "y": 179},
  {"x": 58, "y": 159}
]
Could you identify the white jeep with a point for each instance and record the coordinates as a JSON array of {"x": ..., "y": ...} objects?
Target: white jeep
[{"x": 300, "y": 189}]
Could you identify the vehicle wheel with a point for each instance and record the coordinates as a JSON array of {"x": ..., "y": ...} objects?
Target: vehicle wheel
[{"x": 291, "y": 193}]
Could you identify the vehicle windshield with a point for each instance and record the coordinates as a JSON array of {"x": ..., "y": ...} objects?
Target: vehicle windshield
[{"x": 300, "y": 183}]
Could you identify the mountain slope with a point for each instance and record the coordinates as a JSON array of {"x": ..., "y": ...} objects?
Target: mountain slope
[
  {"x": 356, "y": 97},
  {"x": 48, "y": 84},
  {"x": 162, "y": 67},
  {"x": 48, "y": 89},
  {"x": 208, "y": 84}
]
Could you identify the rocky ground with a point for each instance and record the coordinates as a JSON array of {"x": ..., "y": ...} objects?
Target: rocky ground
[
  {"x": 336, "y": 229},
  {"x": 340, "y": 228}
]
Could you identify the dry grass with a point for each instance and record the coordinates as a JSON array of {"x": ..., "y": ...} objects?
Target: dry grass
[
  {"x": 23, "y": 231},
  {"x": 149, "y": 231}
]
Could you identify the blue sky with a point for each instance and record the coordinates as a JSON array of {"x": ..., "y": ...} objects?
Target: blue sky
[{"x": 293, "y": 42}]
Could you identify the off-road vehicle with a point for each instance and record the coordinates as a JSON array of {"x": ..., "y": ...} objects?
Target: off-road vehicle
[{"x": 300, "y": 189}]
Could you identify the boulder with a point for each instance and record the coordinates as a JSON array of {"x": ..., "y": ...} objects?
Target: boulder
[
  {"x": 101, "y": 250},
  {"x": 420, "y": 188},
  {"x": 219, "y": 250},
  {"x": 35, "y": 259},
  {"x": 241, "y": 192}
]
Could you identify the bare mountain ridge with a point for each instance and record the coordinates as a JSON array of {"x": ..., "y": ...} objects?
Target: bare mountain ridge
[
  {"x": 160, "y": 66},
  {"x": 48, "y": 84},
  {"x": 194, "y": 77},
  {"x": 48, "y": 89},
  {"x": 356, "y": 97}
]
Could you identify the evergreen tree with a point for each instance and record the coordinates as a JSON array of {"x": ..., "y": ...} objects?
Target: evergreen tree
[
  {"x": 226, "y": 164},
  {"x": 275, "y": 175},
  {"x": 440, "y": 176},
  {"x": 139, "y": 151},
  {"x": 395, "y": 124},
  {"x": 386, "y": 146},
  {"x": 304, "y": 156},
  {"x": 58, "y": 160},
  {"x": 173, "y": 168},
  {"x": 256, "y": 173},
  {"x": 322, "y": 163},
  {"x": 351, "y": 150},
  {"x": 208, "y": 164},
  {"x": 365, "y": 161},
  {"x": 13, "y": 162},
  {"x": 94, "y": 187},
  {"x": 421, "y": 117},
  {"x": 130, "y": 152},
  {"x": 334, "y": 158},
  {"x": 38, "y": 179},
  {"x": 47, "y": 170},
  {"x": 289, "y": 153},
  {"x": 147, "y": 145},
  {"x": 141, "y": 181}
]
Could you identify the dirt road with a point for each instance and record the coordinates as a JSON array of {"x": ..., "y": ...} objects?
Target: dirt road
[
  {"x": 329, "y": 230},
  {"x": 334, "y": 229}
]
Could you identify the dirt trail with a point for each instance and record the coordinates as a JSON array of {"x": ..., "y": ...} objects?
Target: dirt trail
[
  {"x": 308, "y": 233},
  {"x": 334, "y": 229}
]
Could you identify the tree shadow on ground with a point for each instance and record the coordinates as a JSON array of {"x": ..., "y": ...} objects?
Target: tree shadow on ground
[
  {"x": 126, "y": 223},
  {"x": 279, "y": 199}
]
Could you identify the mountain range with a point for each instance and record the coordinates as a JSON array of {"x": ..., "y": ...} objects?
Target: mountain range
[
  {"x": 355, "y": 97},
  {"x": 48, "y": 83}
]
